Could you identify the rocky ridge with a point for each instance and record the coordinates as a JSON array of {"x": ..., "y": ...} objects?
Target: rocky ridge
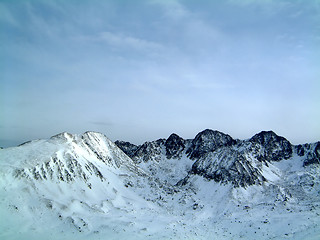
[{"x": 217, "y": 156}]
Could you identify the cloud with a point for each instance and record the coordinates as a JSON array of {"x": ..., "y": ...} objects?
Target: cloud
[
  {"x": 123, "y": 40},
  {"x": 111, "y": 41}
]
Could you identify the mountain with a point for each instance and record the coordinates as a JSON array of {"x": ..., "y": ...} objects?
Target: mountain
[
  {"x": 217, "y": 156},
  {"x": 210, "y": 187},
  {"x": 64, "y": 180}
]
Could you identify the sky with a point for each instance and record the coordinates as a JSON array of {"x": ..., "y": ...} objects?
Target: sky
[{"x": 141, "y": 70}]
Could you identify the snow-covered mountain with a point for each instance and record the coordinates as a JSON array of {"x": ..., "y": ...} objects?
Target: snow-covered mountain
[{"x": 210, "y": 187}]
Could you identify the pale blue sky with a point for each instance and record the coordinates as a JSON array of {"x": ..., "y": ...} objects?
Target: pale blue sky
[{"x": 140, "y": 70}]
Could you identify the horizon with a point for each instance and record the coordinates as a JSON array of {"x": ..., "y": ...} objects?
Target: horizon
[
  {"x": 139, "y": 71},
  {"x": 150, "y": 140}
]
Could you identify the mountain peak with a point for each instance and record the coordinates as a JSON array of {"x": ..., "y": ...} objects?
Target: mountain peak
[
  {"x": 174, "y": 145},
  {"x": 62, "y": 135},
  {"x": 174, "y": 136},
  {"x": 208, "y": 141},
  {"x": 264, "y": 137},
  {"x": 275, "y": 147}
]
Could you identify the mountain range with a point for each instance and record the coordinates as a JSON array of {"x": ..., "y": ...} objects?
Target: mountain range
[{"x": 210, "y": 187}]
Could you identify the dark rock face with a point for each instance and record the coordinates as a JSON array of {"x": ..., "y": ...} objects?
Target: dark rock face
[
  {"x": 127, "y": 148},
  {"x": 208, "y": 141},
  {"x": 313, "y": 156},
  {"x": 149, "y": 151},
  {"x": 271, "y": 147},
  {"x": 317, "y": 150},
  {"x": 228, "y": 165},
  {"x": 174, "y": 146},
  {"x": 309, "y": 152},
  {"x": 300, "y": 150}
]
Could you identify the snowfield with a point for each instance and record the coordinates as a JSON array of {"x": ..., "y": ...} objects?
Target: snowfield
[{"x": 211, "y": 187}]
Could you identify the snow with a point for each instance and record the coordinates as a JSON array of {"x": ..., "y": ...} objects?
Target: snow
[{"x": 141, "y": 201}]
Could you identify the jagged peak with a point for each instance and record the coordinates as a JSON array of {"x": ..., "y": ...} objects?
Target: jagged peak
[
  {"x": 275, "y": 147},
  {"x": 173, "y": 138},
  {"x": 265, "y": 133},
  {"x": 265, "y": 137},
  {"x": 209, "y": 134},
  {"x": 174, "y": 145},
  {"x": 62, "y": 135},
  {"x": 207, "y": 141},
  {"x": 174, "y": 135},
  {"x": 149, "y": 144}
]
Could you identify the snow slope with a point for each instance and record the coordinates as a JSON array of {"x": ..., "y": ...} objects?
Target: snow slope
[{"x": 80, "y": 186}]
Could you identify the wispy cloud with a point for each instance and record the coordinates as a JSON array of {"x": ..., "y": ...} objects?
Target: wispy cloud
[{"x": 127, "y": 41}]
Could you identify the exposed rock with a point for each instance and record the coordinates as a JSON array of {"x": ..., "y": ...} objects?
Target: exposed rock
[
  {"x": 127, "y": 147},
  {"x": 149, "y": 151},
  {"x": 228, "y": 165},
  {"x": 208, "y": 141},
  {"x": 174, "y": 146},
  {"x": 300, "y": 150},
  {"x": 271, "y": 147},
  {"x": 313, "y": 156}
]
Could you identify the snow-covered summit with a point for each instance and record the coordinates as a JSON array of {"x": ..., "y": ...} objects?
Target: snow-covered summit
[{"x": 91, "y": 147}]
